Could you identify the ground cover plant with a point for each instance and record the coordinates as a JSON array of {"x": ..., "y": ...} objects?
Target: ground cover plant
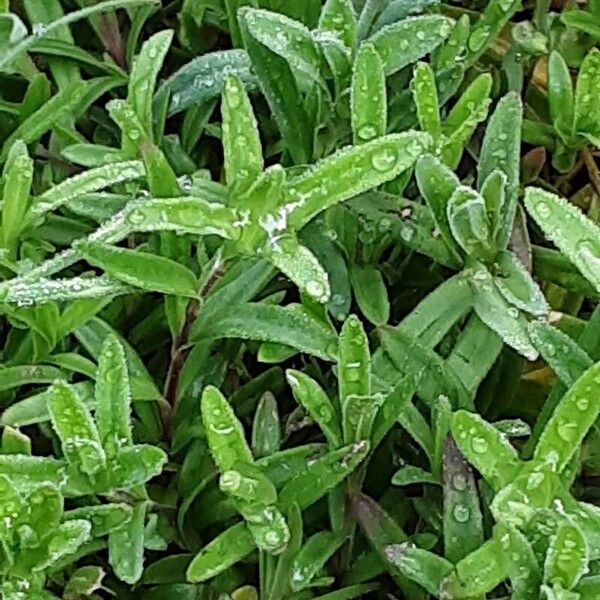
[{"x": 299, "y": 299}]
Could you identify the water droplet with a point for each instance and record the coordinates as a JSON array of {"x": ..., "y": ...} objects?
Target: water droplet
[
  {"x": 461, "y": 513},
  {"x": 582, "y": 404},
  {"x": 459, "y": 482},
  {"x": 367, "y": 132},
  {"x": 479, "y": 445},
  {"x": 567, "y": 430},
  {"x": 384, "y": 160}
]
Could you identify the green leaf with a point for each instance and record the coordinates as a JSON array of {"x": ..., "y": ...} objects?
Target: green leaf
[
  {"x": 351, "y": 171},
  {"x": 501, "y": 150},
  {"x": 463, "y": 523},
  {"x": 476, "y": 574},
  {"x": 224, "y": 432},
  {"x": 567, "y": 558},
  {"x": 560, "y": 96},
  {"x": 91, "y": 336},
  {"x": 567, "y": 359},
  {"x": 368, "y": 99},
  {"x": 313, "y": 555},
  {"x": 496, "y": 15},
  {"x": 426, "y": 100},
  {"x": 277, "y": 81},
  {"x": 139, "y": 463},
  {"x": 300, "y": 265},
  {"x": 499, "y": 315},
  {"x": 572, "y": 418},
  {"x": 354, "y": 363},
  {"x": 358, "y": 416},
  {"x": 223, "y": 551},
  {"x": 470, "y": 110},
  {"x": 24, "y": 44},
  {"x": 241, "y": 141},
  {"x": 288, "y": 39},
  {"x": 423, "y": 567},
  {"x": 46, "y": 117},
  {"x": 370, "y": 293},
  {"x": 291, "y": 325},
  {"x": 17, "y": 175},
  {"x": 437, "y": 183},
  {"x": 322, "y": 475},
  {"x": 103, "y": 517},
  {"x": 587, "y": 112},
  {"x": 62, "y": 542},
  {"x": 186, "y": 214},
  {"x": 74, "y": 426},
  {"x": 309, "y": 394},
  {"x": 144, "y": 74},
  {"x": 409, "y": 475},
  {"x": 339, "y": 17},
  {"x": 485, "y": 448},
  {"x": 203, "y": 78},
  {"x": 113, "y": 398},
  {"x": 89, "y": 181},
  {"x": 266, "y": 429},
  {"x": 146, "y": 271},
  {"x": 521, "y": 564},
  {"x": 126, "y": 546},
  {"x": 516, "y": 285},
  {"x": 405, "y": 42},
  {"x": 565, "y": 225},
  {"x": 469, "y": 223}
]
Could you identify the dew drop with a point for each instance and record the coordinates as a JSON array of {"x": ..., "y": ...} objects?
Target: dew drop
[
  {"x": 461, "y": 513},
  {"x": 384, "y": 161}
]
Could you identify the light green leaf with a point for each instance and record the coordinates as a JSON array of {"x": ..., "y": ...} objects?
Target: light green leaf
[
  {"x": 354, "y": 362},
  {"x": 339, "y": 17},
  {"x": 241, "y": 142},
  {"x": 501, "y": 150},
  {"x": 406, "y": 41},
  {"x": 89, "y": 181},
  {"x": 300, "y": 265},
  {"x": 203, "y": 78},
  {"x": 17, "y": 175},
  {"x": 568, "y": 360},
  {"x": 516, "y": 285},
  {"x": 322, "y": 475},
  {"x": 370, "y": 293},
  {"x": 485, "y": 448},
  {"x": 186, "y": 214},
  {"x": 587, "y": 111},
  {"x": 144, "y": 73},
  {"x": 572, "y": 418},
  {"x": 499, "y": 315},
  {"x": 567, "y": 558},
  {"x": 126, "y": 546},
  {"x": 73, "y": 424},
  {"x": 290, "y": 325},
  {"x": 309, "y": 394},
  {"x": 351, "y": 171},
  {"x": 141, "y": 269},
  {"x": 313, "y": 555},
  {"x": 426, "y": 100},
  {"x": 224, "y": 432},
  {"x": 368, "y": 99},
  {"x": 113, "y": 398},
  {"x": 222, "y": 552},
  {"x": 564, "y": 224}
]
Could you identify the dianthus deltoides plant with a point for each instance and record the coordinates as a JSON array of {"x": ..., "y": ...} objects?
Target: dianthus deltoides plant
[{"x": 299, "y": 299}]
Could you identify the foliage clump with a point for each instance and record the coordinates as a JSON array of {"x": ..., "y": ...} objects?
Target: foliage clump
[{"x": 299, "y": 299}]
